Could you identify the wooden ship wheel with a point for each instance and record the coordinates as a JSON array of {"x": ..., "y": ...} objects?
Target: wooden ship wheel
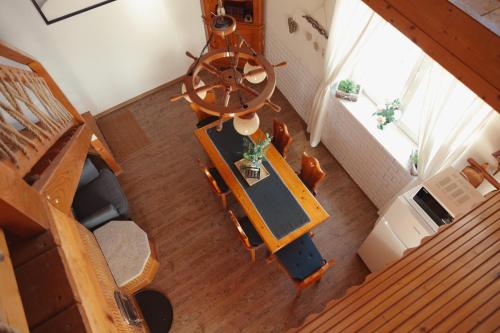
[{"x": 230, "y": 80}]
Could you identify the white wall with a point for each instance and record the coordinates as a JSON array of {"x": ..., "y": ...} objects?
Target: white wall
[
  {"x": 112, "y": 53},
  {"x": 352, "y": 138},
  {"x": 300, "y": 79}
]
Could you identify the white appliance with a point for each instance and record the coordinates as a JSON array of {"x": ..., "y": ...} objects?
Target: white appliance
[{"x": 416, "y": 214}]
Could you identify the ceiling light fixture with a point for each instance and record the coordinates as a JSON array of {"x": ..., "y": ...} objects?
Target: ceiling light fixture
[{"x": 225, "y": 73}]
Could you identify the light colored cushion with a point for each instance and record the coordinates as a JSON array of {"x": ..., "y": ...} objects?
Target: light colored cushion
[{"x": 126, "y": 249}]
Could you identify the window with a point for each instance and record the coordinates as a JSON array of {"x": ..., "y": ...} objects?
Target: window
[
  {"x": 389, "y": 65},
  {"x": 385, "y": 64}
]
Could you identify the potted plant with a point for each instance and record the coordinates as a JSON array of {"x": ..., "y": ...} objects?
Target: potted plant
[
  {"x": 414, "y": 163},
  {"x": 254, "y": 153},
  {"x": 388, "y": 113},
  {"x": 348, "y": 90}
]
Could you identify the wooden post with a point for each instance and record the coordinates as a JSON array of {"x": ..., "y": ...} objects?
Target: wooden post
[
  {"x": 99, "y": 144},
  {"x": 23, "y": 212}
]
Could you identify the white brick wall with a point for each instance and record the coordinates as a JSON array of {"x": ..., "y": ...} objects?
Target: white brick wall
[
  {"x": 371, "y": 166},
  {"x": 294, "y": 80}
]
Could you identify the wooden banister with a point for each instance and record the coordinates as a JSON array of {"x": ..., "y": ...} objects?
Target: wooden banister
[{"x": 12, "y": 53}]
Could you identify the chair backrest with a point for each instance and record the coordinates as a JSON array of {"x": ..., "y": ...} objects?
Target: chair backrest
[
  {"x": 210, "y": 178},
  {"x": 281, "y": 136},
  {"x": 209, "y": 98},
  {"x": 241, "y": 232},
  {"x": 311, "y": 172}
]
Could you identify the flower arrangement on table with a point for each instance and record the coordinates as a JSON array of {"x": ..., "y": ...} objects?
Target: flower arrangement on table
[
  {"x": 255, "y": 152},
  {"x": 388, "y": 113}
]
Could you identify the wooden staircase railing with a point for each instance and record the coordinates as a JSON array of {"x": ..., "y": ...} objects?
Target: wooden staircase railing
[{"x": 62, "y": 278}]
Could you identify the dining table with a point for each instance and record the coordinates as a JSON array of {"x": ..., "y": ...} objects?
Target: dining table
[{"x": 280, "y": 207}]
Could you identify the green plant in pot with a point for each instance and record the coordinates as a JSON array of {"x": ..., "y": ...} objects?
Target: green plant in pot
[
  {"x": 255, "y": 152},
  {"x": 388, "y": 113},
  {"x": 348, "y": 89}
]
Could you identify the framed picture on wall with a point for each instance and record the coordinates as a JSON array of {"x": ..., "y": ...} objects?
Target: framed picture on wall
[{"x": 56, "y": 10}]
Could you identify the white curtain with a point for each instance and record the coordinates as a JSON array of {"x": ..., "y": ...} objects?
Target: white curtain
[
  {"x": 352, "y": 22},
  {"x": 452, "y": 117}
]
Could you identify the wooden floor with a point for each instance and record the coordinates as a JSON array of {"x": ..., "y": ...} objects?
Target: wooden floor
[{"x": 204, "y": 269}]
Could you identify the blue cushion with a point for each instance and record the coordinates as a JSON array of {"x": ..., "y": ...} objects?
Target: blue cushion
[
  {"x": 301, "y": 257},
  {"x": 218, "y": 179},
  {"x": 99, "y": 193},
  {"x": 100, "y": 217},
  {"x": 252, "y": 234},
  {"x": 89, "y": 173},
  {"x": 206, "y": 121}
]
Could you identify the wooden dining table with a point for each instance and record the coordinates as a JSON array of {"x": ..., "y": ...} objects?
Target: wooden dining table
[{"x": 280, "y": 207}]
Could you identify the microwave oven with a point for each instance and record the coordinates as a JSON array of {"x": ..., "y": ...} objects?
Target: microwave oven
[{"x": 442, "y": 198}]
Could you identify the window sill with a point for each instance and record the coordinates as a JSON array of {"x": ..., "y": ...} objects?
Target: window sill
[{"x": 392, "y": 138}]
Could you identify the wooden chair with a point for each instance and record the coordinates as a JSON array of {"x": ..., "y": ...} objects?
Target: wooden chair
[
  {"x": 302, "y": 262},
  {"x": 204, "y": 118},
  {"x": 248, "y": 235},
  {"x": 311, "y": 173},
  {"x": 281, "y": 137},
  {"x": 216, "y": 182}
]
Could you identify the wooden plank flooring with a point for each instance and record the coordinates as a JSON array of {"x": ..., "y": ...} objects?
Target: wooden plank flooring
[{"x": 204, "y": 269}]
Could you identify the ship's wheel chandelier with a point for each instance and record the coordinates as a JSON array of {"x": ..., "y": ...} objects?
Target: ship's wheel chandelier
[{"x": 229, "y": 70}]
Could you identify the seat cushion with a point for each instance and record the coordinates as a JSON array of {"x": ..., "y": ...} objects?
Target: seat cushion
[
  {"x": 206, "y": 121},
  {"x": 301, "y": 258},
  {"x": 99, "y": 217},
  {"x": 99, "y": 193},
  {"x": 252, "y": 234},
  {"x": 218, "y": 179}
]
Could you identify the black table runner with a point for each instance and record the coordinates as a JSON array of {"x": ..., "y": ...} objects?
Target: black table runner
[{"x": 273, "y": 200}]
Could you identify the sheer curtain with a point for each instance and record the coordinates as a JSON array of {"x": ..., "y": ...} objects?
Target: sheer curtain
[
  {"x": 351, "y": 23},
  {"x": 452, "y": 116}
]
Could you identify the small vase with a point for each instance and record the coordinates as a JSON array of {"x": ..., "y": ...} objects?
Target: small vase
[{"x": 253, "y": 164}]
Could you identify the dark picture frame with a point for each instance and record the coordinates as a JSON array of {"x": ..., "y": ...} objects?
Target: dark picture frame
[{"x": 65, "y": 16}]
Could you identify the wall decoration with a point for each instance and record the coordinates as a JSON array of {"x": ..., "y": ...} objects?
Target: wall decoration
[
  {"x": 316, "y": 46},
  {"x": 316, "y": 25},
  {"x": 56, "y": 10},
  {"x": 312, "y": 18},
  {"x": 292, "y": 25},
  {"x": 309, "y": 36}
]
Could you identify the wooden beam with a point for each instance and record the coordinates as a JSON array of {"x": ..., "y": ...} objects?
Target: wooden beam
[
  {"x": 464, "y": 47},
  {"x": 59, "y": 181},
  {"x": 10, "y": 52},
  {"x": 22, "y": 210},
  {"x": 82, "y": 274},
  {"x": 100, "y": 145}
]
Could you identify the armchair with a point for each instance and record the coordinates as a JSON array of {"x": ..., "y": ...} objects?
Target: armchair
[{"x": 99, "y": 197}]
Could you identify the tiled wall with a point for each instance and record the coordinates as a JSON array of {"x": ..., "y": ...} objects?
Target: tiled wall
[
  {"x": 373, "y": 168},
  {"x": 294, "y": 80}
]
